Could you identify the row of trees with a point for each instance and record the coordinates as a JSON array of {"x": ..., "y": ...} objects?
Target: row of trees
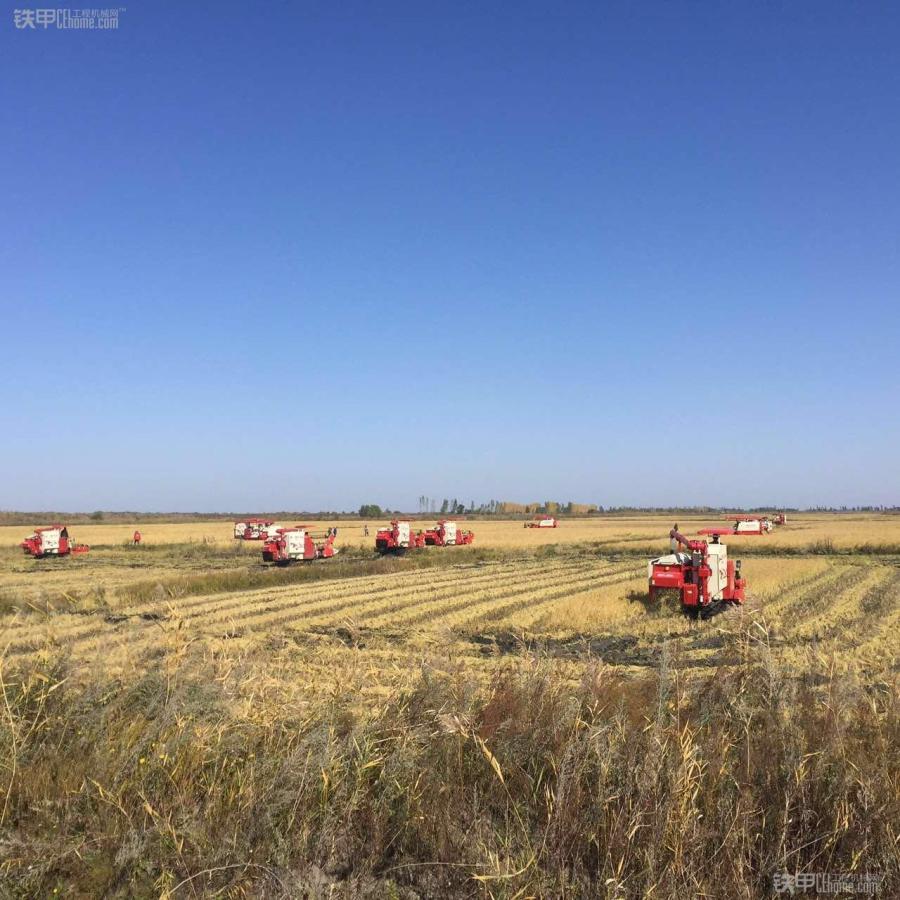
[
  {"x": 448, "y": 506},
  {"x": 454, "y": 507}
]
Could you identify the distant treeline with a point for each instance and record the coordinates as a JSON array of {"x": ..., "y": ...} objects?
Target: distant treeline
[
  {"x": 498, "y": 508},
  {"x": 118, "y": 517}
]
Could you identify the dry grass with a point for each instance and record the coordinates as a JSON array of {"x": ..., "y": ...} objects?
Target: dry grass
[{"x": 204, "y": 777}]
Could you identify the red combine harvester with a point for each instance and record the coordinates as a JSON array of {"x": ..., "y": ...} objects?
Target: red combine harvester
[
  {"x": 447, "y": 534},
  {"x": 255, "y": 530},
  {"x": 398, "y": 538},
  {"x": 543, "y": 522},
  {"x": 290, "y": 544},
  {"x": 706, "y": 579},
  {"x": 52, "y": 540},
  {"x": 749, "y": 525},
  {"x": 779, "y": 519}
]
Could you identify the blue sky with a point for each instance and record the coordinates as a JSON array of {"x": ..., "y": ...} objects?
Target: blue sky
[{"x": 313, "y": 255}]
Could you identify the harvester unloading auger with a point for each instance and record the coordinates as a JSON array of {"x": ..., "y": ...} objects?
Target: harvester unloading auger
[{"x": 705, "y": 578}]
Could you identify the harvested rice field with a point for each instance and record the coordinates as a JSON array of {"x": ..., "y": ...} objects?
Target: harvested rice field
[
  {"x": 364, "y": 625},
  {"x": 183, "y": 720},
  {"x": 803, "y": 530}
]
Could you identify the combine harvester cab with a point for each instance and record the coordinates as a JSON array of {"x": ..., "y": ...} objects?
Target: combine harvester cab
[
  {"x": 297, "y": 543},
  {"x": 447, "y": 534},
  {"x": 398, "y": 537},
  {"x": 705, "y": 578},
  {"x": 543, "y": 522},
  {"x": 52, "y": 540}
]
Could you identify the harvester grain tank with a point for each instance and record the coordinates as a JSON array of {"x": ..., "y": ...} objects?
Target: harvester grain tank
[
  {"x": 298, "y": 543},
  {"x": 51, "y": 540},
  {"x": 705, "y": 578}
]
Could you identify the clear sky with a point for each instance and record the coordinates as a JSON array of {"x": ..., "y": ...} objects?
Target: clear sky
[{"x": 309, "y": 255}]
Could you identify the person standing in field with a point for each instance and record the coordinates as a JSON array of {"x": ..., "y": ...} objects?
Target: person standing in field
[
  {"x": 676, "y": 539},
  {"x": 365, "y": 530},
  {"x": 136, "y": 537}
]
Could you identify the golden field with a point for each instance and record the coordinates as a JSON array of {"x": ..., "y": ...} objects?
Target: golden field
[
  {"x": 588, "y": 577},
  {"x": 369, "y": 634},
  {"x": 511, "y": 719},
  {"x": 845, "y": 530}
]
